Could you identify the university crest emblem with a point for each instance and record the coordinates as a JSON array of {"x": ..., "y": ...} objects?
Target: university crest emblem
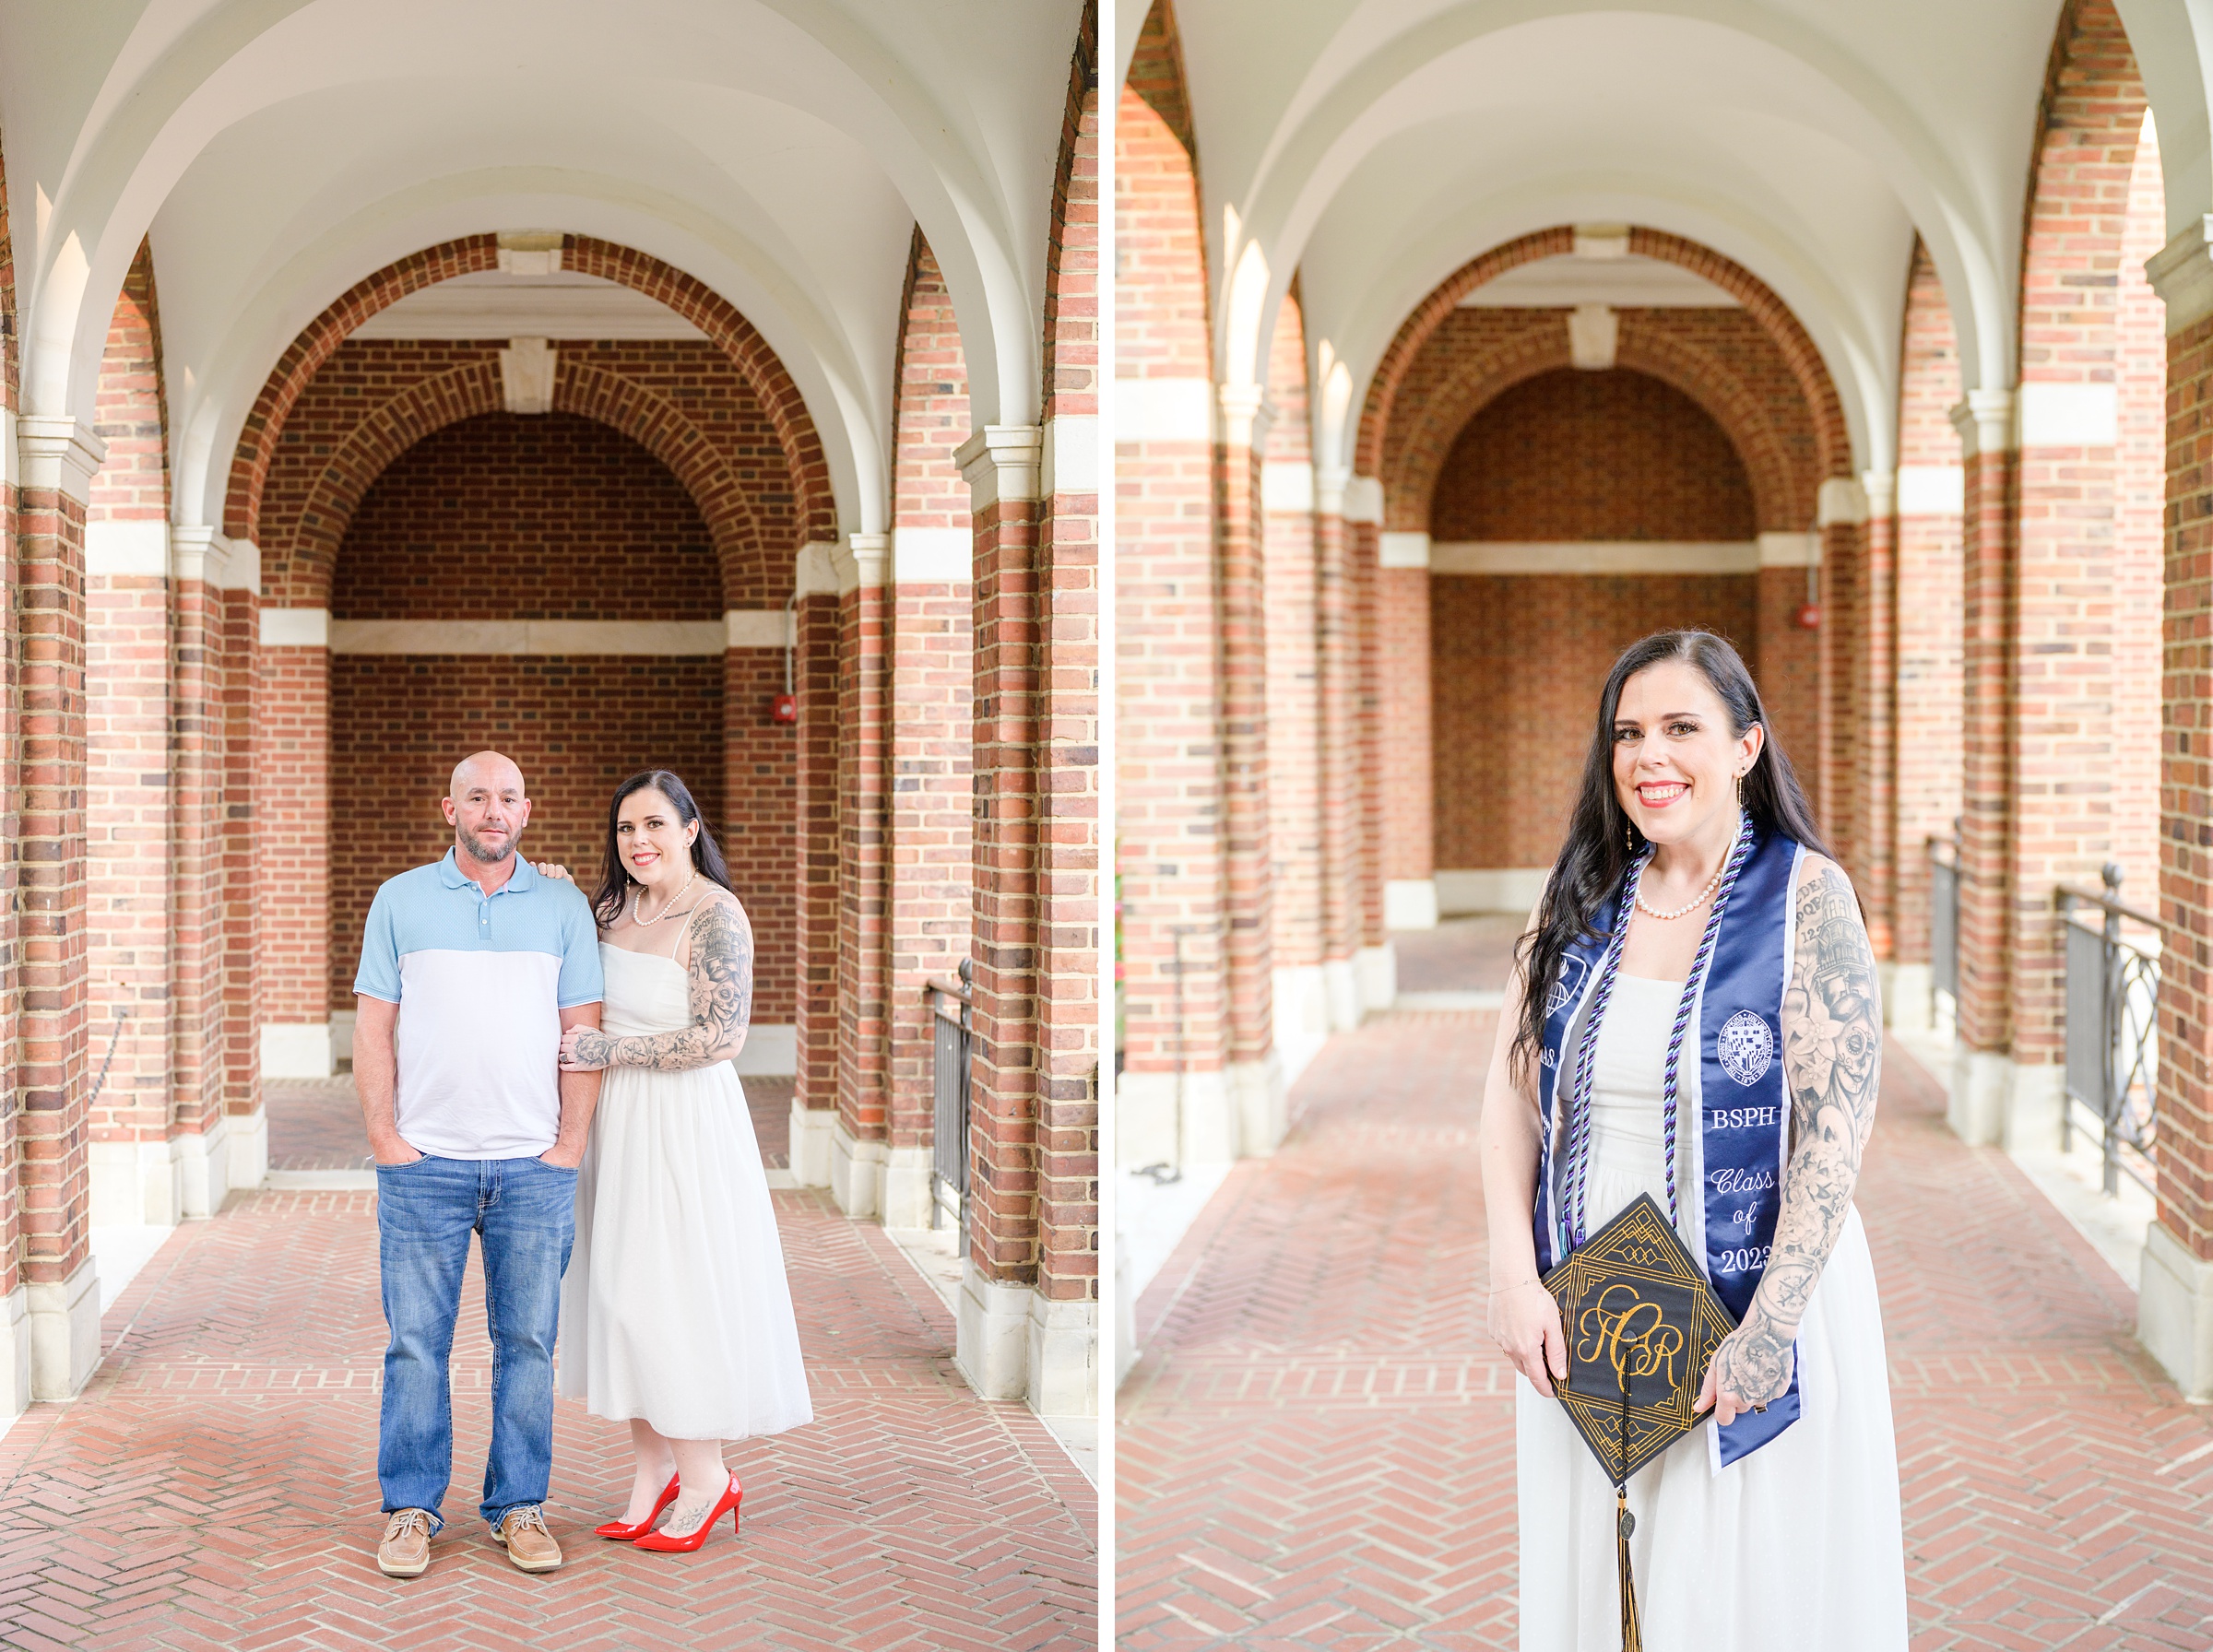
[{"x": 1746, "y": 1045}]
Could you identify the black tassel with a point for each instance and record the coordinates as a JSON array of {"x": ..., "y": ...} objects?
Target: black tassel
[{"x": 1632, "y": 1638}]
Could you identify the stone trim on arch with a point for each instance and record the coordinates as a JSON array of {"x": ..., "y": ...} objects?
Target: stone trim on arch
[
  {"x": 748, "y": 352},
  {"x": 296, "y": 368},
  {"x": 729, "y": 331},
  {"x": 1832, "y": 436},
  {"x": 392, "y": 427},
  {"x": 1426, "y": 317},
  {"x": 1415, "y": 452}
]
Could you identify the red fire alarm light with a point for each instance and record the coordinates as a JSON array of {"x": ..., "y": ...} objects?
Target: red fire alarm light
[
  {"x": 783, "y": 708},
  {"x": 1809, "y": 616}
]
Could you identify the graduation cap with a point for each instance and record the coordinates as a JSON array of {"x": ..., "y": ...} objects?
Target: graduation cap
[{"x": 1641, "y": 1325}]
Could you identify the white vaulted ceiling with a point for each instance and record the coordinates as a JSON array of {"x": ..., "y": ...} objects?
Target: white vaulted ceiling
[
  {"x": 1375, "y": 146},
  {"x": 779, "y": 152}
]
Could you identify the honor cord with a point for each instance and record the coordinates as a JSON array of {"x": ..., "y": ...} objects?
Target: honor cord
[{"x": 1580, "y": 1108}]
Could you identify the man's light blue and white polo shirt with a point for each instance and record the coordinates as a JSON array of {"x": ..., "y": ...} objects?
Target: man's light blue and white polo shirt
[{"x": 481, "y": 985}]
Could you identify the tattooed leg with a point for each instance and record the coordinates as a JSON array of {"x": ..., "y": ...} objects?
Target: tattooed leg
[{"x": 1833, "y": 1045}]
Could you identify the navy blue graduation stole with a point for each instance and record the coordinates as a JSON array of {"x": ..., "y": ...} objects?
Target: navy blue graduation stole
[{"x": 1735, "y": 1089}]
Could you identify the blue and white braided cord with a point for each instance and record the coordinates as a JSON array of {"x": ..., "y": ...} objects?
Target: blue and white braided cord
[
  {"x": 1691, "y": 999},
  {"x": 1579, "y": 1109},
  {"x": 1578, "y": 1091}
]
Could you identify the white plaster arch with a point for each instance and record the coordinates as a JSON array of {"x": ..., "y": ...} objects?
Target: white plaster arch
[
  {"x": 1859, "y": 352},
  {"x": 360, "y": 133},
  {"x": 1937, "y": 103}
]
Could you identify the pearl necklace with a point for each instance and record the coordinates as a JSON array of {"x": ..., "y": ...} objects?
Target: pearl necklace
[
  {"x": 637, "y": 910},
  {"x": 1697, "y": 901}
]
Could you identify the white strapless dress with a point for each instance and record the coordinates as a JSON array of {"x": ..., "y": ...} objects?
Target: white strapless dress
[
  {"x": 1798, "y": 1545},
  {"x": 675, "y": 1308}
]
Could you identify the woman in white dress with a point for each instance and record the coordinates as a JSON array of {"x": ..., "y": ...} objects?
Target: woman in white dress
[
  {"x": 1783, "y": 1527},
  {"x": 676, "y": 1315}
]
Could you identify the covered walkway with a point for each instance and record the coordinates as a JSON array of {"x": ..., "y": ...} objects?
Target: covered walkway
[
  {"x": 214, "y": 1484},
  {"x": 1316, "y": 1448}
]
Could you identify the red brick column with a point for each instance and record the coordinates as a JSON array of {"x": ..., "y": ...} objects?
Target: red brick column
[
  {"x": 1787, "y": 665},
  {"x": 2175, "y": 1298},
  {"x": 1986, "y": 895},
  {"x": 932, "y": 718},
  {"x": 15, "y": 1342},
  {"x": 1240, "y": 584},
  {"x": 133, "y": 1176},
  {"x": 1408, "y": 770},
  {"x": 1336, "y": 647},
  {"x": 1375, "y": 966},
  {"x": 859, "y": 1147},
  {"x": 246, "y": 1123},
  {"x": 1300, "y": 1005},
  {"x": 198, "y": 662},
  {"x": 58, "y": 462},
  {"x": 1064, "y": 1353},
  {"x": 1001, "y": 463},
  {"x": 291, "y": 734},
  {"x": 1869, "y": 795},
  {"x": 815, "y": 1029},
  {"x": 1172, "y": 1092},
  {"x": 1925, "y": 601}
]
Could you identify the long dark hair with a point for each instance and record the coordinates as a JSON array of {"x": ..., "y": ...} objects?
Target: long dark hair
[
  {"x": 1600, "y": 834},
  {"x": 615, "y": 881}
]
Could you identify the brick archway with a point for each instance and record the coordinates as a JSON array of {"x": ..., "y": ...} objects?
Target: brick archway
[
  {"x": 1416, "y": 452},
  {"x": 468, "y": 391},
  {"x": 1831, "y": 435},
  {"x": 713, "y": 315}
]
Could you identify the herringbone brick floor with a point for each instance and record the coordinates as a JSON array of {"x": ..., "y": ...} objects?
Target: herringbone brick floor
[
  {"x": 1316, "y": 1449},
  {"x": 214, "y": 1484}
]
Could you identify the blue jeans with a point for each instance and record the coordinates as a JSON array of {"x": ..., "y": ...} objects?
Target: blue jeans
[{"x": 526, "y": 1210}]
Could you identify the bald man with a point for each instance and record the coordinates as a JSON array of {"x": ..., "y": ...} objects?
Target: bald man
[{"x": 471, "y": 970}]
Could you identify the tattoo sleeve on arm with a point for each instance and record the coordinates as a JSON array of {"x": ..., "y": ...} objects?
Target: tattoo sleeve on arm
[
  {"x": 1833, "y": 1046},
  {"x": 722, "y": 998}
]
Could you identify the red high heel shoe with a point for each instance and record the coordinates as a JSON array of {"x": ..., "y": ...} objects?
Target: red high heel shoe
[
  {"x": 660, "y": 1543},
  {"x": 622, "y": 1533}
]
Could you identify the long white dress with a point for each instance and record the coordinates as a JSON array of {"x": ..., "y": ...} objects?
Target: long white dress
[
  {"x": 675, "y": 1308},
  {"x": 1798, "y": 1545}
]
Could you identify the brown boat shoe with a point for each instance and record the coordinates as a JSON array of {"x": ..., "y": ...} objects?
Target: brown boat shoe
[
  {"x": 406, "y": 1551},
  {"x": 529, "y": 1545}
]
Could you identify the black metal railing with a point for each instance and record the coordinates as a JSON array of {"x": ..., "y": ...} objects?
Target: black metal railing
[
  {"x": 950, "y": 1062},
  {"x": 1943, "y": 919},
  {"x": 2112, "y": 1000}
]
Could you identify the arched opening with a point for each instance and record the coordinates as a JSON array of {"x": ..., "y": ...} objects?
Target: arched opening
[
  {"x": 1586, "y": 510},
  {"x": 469, "y": 587},
  {"x": 532, "y": 524}
]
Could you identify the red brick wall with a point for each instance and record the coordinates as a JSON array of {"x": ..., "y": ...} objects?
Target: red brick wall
[
  {"x": 684, "y": 402},
  {"x": 504, "y": 516},
  {"x": 768, "y": 386},
  {"x": 127, "y": 738},
  {"x": 1592, "y": 455},
  {"x": 1566, "y": 456},
  {"x": 1517, "y": 665},
  {"x": 513, "y": 517},
  {"x": 1926, "y": 613}
]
